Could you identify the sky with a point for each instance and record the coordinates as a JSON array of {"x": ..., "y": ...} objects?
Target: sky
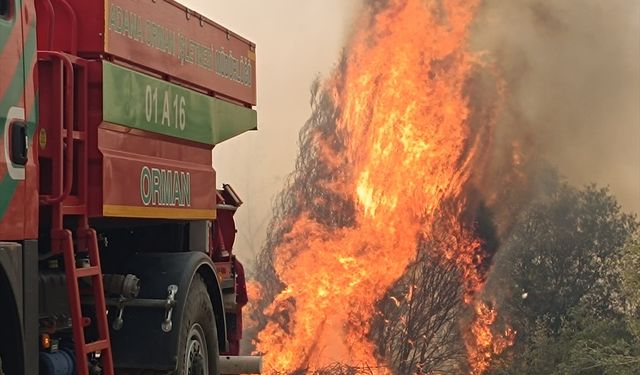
[{"x": 296, "y": 41}]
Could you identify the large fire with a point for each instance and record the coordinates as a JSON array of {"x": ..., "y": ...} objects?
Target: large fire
[{"x": 407, "y": 162}]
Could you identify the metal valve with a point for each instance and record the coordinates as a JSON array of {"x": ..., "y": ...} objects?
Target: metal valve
[
  {"x": 170, "y": 303},
  {"x": 118, "y": 321}
]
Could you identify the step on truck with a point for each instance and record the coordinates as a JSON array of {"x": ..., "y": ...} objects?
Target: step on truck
[{"x": 116, "y": 248}]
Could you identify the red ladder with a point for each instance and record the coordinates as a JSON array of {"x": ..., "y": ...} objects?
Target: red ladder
[
  {"x": 62, "y": 240},
  {"x": 68, "y": 199}
]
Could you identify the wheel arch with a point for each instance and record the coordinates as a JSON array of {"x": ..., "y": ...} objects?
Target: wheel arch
[
  {"x": 208, "y": 273},
  {"x": 152, "y": 348}
]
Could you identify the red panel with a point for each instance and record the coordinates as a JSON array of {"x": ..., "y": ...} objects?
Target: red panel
[
  {"x": 89, "y": 15},
  {"x": 65, "y": 25},
  {"x": 156, "y": 178}
]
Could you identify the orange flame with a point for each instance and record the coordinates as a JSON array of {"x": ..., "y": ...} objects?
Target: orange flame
[
  {"x": 254, "y": 294},
  {"x": 410, "y": 152},
  {"x": 483, "y": 343}
]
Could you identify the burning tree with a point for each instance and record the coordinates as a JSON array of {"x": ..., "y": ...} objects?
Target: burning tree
[
  {"x": 417, "y": 325},
  {"x": 385, "y": 183}
]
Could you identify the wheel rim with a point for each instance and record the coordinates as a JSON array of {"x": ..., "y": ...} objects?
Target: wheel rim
[{"x": 196, "y": 358}]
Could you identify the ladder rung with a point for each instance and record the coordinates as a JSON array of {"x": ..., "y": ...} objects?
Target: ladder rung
[
  {"x": 73, "y": 210},
  {"x": 87, "y": 271},
  {"x": 96, "y": 346},
  {"x": 72, "y": 200}
]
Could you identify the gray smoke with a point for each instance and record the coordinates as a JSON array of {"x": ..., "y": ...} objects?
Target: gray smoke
[{"x": 572, "y": 75}]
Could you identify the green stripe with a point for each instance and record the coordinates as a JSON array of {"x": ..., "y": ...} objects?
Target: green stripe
[
  {"x": 12, "y": 97},
  {"x": 139, "y": 101},
  {"x": 6, "y": 26}
]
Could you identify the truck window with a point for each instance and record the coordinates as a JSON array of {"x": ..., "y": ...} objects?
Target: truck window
[{"x": 5, "y": 9}]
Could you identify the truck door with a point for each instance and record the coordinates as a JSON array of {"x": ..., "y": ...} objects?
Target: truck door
[{"x": 14, "y": 127}]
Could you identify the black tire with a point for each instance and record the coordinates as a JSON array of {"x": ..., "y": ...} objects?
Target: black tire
[
  {"x": 198, "y": 312},
  {"x": 11, "y": 350},
  {"x": 198, "y": 316}
]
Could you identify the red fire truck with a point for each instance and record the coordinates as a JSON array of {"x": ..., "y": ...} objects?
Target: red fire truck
[{"x": 115, "y": 245}]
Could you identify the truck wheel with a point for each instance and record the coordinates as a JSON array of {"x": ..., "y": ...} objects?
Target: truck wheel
[{"x": 198, "y": 344}]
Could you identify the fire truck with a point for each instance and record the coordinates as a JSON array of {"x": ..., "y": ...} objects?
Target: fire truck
[{"x": 116, "y": 247}]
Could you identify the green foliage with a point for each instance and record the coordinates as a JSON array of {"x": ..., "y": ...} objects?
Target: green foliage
[
  {"x": 584, "y": 345},
  {"x": 573, "y": 267},
  {"x": 630, "y": 273},
  {"x": 597, "y": 346}
]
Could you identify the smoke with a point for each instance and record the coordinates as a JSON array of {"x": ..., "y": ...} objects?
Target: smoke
[
  {"x": 572, "y": 86},
  {"x": 569, "y": 78}
]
